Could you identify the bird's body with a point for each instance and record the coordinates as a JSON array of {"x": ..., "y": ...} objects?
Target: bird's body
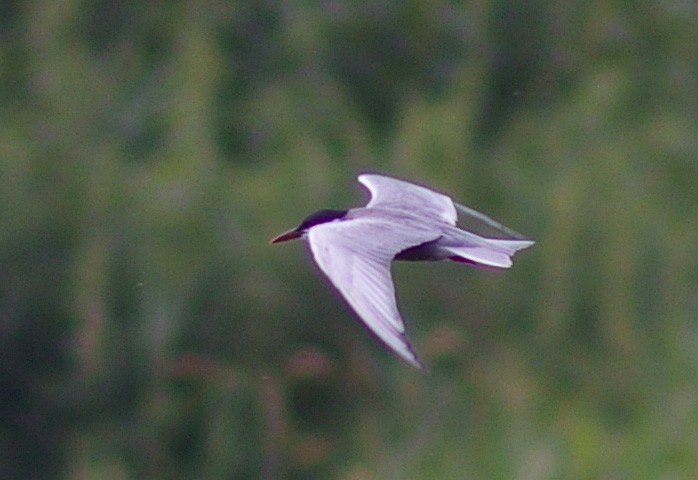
[{"x": 402, "y": 221}]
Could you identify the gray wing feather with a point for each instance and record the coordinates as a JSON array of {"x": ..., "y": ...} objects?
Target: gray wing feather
[
  {"x": 387, "y": 192},
  {"x": 472, "y": 213},
  {"x": 355, "y": 255}
]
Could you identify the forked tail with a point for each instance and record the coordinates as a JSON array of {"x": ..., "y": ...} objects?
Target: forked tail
[{"x": 489, "y": 252}]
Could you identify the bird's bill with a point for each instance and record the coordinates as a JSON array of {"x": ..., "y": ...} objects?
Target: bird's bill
[{"x": 286, "y": 236}]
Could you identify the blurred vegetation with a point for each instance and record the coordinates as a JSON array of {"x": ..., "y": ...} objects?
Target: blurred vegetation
[{"x": 149, "y": 150}]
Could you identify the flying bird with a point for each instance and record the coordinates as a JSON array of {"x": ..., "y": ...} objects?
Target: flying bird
[{"x": 402, "y": 221}]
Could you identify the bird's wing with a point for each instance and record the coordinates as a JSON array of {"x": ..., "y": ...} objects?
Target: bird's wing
[
  {"x": 492, "y": 225},
  {"x": 397, "y": 194},
  {"x": 356, "y": 255}
]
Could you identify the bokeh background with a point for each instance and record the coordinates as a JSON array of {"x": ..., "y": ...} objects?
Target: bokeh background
[{"x": 149, "y": 151}]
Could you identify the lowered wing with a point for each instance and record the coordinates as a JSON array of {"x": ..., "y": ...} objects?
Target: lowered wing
[{"x": 355, "y": 255}]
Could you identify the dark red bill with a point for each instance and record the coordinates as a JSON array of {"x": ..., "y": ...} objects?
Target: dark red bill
[{"x": 284, "y": 237}]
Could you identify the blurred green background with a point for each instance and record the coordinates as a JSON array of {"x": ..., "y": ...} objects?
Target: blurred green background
[{"x": 149, "y": 151}]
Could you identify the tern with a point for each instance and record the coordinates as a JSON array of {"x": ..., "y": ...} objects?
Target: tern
[{"x": 402, "y": 221}]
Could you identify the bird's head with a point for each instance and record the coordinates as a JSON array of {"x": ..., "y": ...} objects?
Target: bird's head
[{"x": 321, "y": 216}]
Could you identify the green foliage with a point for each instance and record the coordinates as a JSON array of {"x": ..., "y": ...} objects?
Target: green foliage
[{"x": 149, "y": 151}]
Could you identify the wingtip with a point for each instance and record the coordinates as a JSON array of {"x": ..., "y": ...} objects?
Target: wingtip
[
  {"x": 415, "y": 362},
  {"x": 410, "y": 356},
  {"x": 419, "y": 365}
]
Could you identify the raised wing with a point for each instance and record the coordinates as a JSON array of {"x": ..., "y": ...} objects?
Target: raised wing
[
  {"x": 356, "y": 255},
  {"x": 493, "y": 227},
  {"x": 397, "y": 194}
]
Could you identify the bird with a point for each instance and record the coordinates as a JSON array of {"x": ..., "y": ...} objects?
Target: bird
[{"x": 402, "y": 220}]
